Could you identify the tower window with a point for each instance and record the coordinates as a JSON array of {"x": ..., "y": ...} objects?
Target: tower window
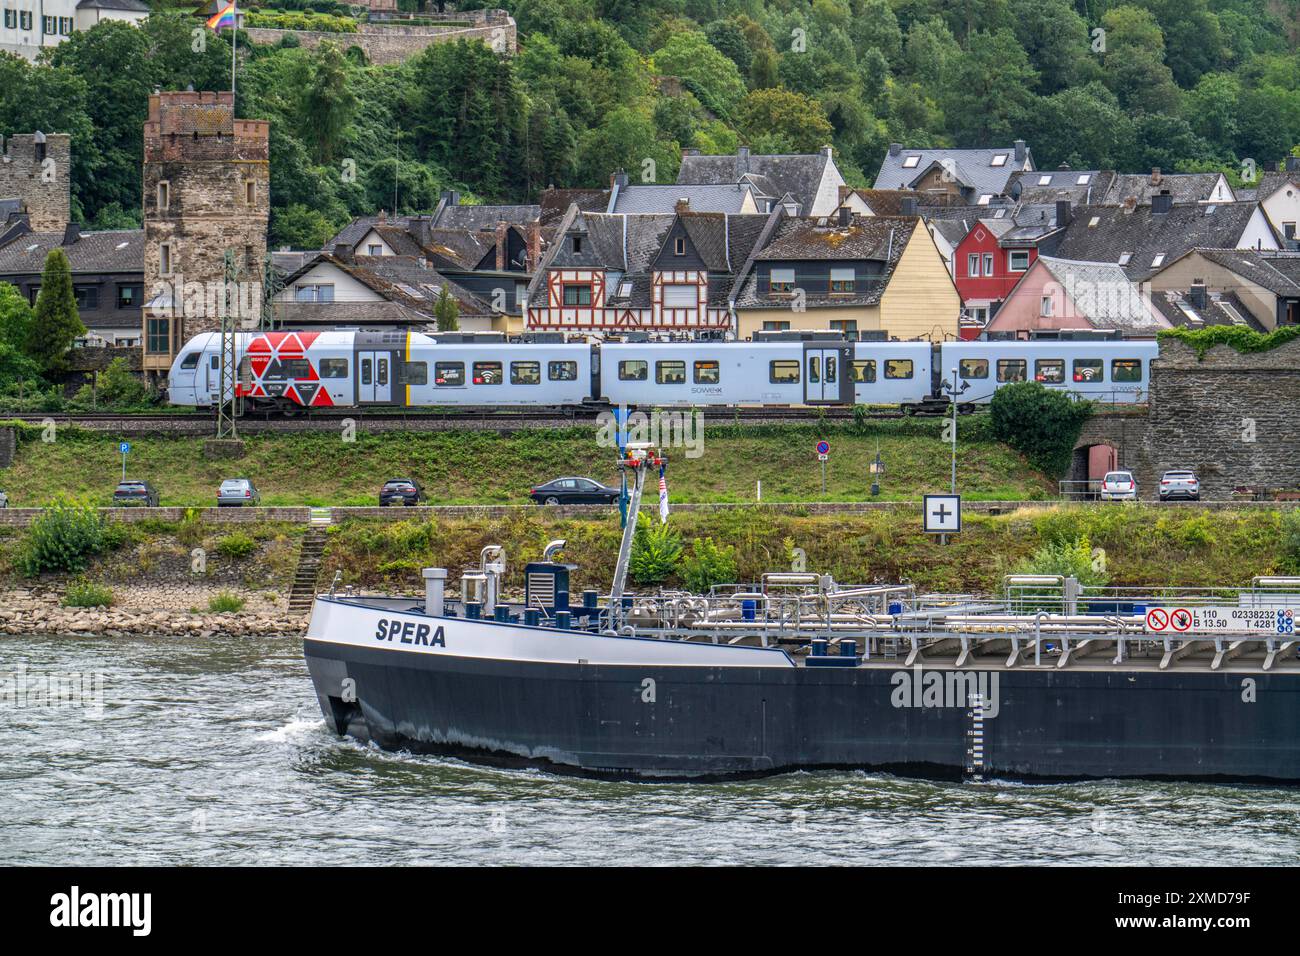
[
  {"x": 250, "y": 192},
  {"x": 165, "y": 259},
  {"x": 164, "y": 194}
]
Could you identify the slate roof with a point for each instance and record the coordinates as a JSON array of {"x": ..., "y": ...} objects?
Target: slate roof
[
  {"x": 1220, "y": 309},
  {"x": 554, "y": 203},
  {"x": 1270, "y": 182},
  {"x": 1050, "y": 185},
  {"x": 400, "y": 280},
  {"x": 1142, "y": 234},
  {"x": 884, "y": 202},
  {"x": 972, "y": 167},
  {"x": 483, "y": 218},
  {"x": 800, "y": 175},
  {"x": 879, "y": 238},
  {"x": 728, "y": 197},
  {"x": 1276, "y": 273},
  {"x": 953, "y": 230},
  {"x": 1102, "y": 293},
  {"x": 1184, "y": 187},
  {"x": 115, "y": 250}
]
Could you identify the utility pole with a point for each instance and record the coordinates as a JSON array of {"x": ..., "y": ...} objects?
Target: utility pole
[{"x": 228, "y": 401}]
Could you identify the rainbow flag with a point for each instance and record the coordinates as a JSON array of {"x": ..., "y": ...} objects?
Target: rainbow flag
[{"x": 223, "y": 18}]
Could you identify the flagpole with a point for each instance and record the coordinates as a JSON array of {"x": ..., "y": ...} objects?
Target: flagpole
[{"x": 234, "y": 42}]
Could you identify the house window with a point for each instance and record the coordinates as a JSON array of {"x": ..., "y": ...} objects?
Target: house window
[
  {"x": 898, "y": 368},
  {"x": 1288, "y": 230},
  {"x": 577, "y": 295},
  {"x": 1045, "y": 180},
  {"x": 562, "y": 371},
  {"x": 87, "y": 297},
  {"x": 525, "y": 373},
  {"x": 973, "y": 368},
  {"x": 670, "y": 373},
  {"x": 1049, "y": 371},
  {"x": 1046, "y": 306},
  {"x": 1083, "y": 180},
  {"x": 1158, "y": 260},
  {"x": 164, "y": 195},
  {"x": 1011, "y": 370},
  {"x": 1088, "y": 370},
  {"x": 782, "y": 280},
  {"x": 979, "y": 313},
  {"x": 165, "y": 259},
  {"x": 374, "y": 249},
  {"x": 633, "y": 370},
  {"x": 158, "y": 336},
  {"x": 316, "y": 292},
  {"x": 11, "y": 19},
  {"x": 577, "y": 244},
  {"x": 1125, "y": 257},
  {"x": 783, "y": 371},
  {"x": 128, "y": 296},
  {"x": 910, "y": 162},
  {"x": 1017, "y": 260},
  {"x": 848, "y": 326},
  {"x": 25, "y": 19},
  {"x": 50, "y": 25},
  {"x": 488, "y": 373},
  {"x": 679, "y": 246},
  {"x": 842, "y": 279},
  {"x": 1092, "y": 223},
  {"x": 973, "y": 265},
  {"x": 774, "y": 326},
  {"x": 707, "y": 373},
  {"x": 250, "y": 191},
  {"x": 65, "y": 26},
  {"x": 681, "y": 297},
  {"x": 999, "y": 160},
  {"x": 988, "y": 263},
  {"x": 33, "y": 293},
  {"x": 864, "y": 371}
]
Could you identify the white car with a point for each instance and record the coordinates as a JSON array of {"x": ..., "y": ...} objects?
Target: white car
[
  {"x": 4, "y": 500},
  {"x": 1119, "y": 486}
]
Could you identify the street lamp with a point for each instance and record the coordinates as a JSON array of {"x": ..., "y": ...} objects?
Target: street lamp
[{"x": 952, "y": 391}]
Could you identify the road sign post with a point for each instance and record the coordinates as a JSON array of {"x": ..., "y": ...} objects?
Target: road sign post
[
  {"x": 124, "y": 448},
  {"x": 942, "y": 515},
  {"x": 823, "y": 453}
]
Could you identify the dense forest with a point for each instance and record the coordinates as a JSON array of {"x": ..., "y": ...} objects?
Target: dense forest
[{"x": 605, "y": 84}]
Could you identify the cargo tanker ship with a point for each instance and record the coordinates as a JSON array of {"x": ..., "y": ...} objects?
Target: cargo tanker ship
[{"x": 1045, "y": 681}]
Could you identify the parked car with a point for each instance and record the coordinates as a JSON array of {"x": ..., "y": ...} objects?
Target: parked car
[
  {"x": 574, "y": 491},
  {"x": 1180, "y": 484},
  {"x": 1119, "y": 486},
  {"x": 237, "y": 492},
  {"x": 4, "y": 500},
  {"x": 136, "y": 493},
  {"x": 401, "y": 491}
]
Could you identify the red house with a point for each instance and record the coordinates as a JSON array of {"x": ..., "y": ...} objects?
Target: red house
[{"x": 993, "y": 256}]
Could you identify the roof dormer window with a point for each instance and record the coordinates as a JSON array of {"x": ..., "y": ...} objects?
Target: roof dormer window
[
  {"x": 577, "y": 244},
  {"x": 1092, "y": 223},
  {"x": 1158, "y": 260},
  {"x": 986, "y": 199},
  {"x": 999, "y": 160},
  {"x": 909, "y": 162},
  {"x": 1125, "y": 257},
  {"x": 679, "y": 246},
  {"x": 1083, "y": 180},
  {"x": 1045, "y": 180}
]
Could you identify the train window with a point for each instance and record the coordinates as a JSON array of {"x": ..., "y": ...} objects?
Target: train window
[
  {"x": 448, "y": 373},
  {"x": 1126, "y": 370},
  {"x": 288, "y": 369},
  {"x": 898, "y": 368},
  {"x": 973, "y": 368},
  {"x": 1011, "y": 370},
  {"x": 577, "y": 295},
  {"x": 1088, "y": 370},
  {"x": 525, "y": 373},
  {"x": 832, "y": 369},
  {"x": 334, "y": 368},
  {"x": 670, "y": 373},
  {"x": 1051, "y": 371},
  {"x": 707, "y": 373},
  {"x": 783, "y": 371},
  {"x": 562, "y": 371},
  {"x": 488, "y": 373},
  {"x": 412, "y": 373},
  {"x": 367, "y": 371},
  {"x": 633, "y": 370},
  {"x": 190, "y": 361},
  {"x": 814, "y": 369},
  {"x": 864, "y": 371},
  {"x": 381, "y": 371}
]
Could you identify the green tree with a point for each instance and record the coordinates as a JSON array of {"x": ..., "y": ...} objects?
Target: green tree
[
  {"x": 991, "y": 93},
  {"x": 707, "y": 73},
  {"x": 1041, "y": 423},
  {"x": 15, "y": 329},
  {"x": 792, "y": 119},
  {"x": 55, "y": 325},
  {"x": 447, "y": 311},
  {"x": 329, "y": 102},
  {"x": 656, "y": 549}
]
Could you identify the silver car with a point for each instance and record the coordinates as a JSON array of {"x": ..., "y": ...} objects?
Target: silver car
[
  {"x": 1180, "y": 484},
  {"x": 1119, "y": 486},
  {"x": 4, "y": 500},
  {"x": 236, "y": 492}
]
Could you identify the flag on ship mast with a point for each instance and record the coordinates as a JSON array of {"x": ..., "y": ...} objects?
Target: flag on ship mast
[{"x": 663, "y": 496}]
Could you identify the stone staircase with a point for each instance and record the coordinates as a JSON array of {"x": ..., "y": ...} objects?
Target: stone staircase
[{"x": 303, "y": 591}]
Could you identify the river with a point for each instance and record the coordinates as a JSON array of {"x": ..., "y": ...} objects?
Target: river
[{"x": 191, "y": 751}]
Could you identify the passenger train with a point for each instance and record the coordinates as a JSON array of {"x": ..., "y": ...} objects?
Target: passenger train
[{"x": 349, "y": 369}]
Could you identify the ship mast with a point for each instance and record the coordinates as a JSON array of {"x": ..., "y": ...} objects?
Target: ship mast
[{"x": 640, "y": 458}]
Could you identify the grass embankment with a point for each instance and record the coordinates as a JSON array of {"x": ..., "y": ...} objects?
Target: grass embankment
[
  {"x": 471, "y": 467},
  {"x": 1143, "y": 545}
]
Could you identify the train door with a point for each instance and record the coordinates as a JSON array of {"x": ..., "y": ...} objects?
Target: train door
[
  {"x": 374, "y": 377},
  {"x": 827, "y": 378},
  {"x": 212, "y": 374}
]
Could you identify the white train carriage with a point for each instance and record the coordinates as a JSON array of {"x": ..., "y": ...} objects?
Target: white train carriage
[
  {"x": 1111, "y": 371},
  {"x": 495, "y": 374}
]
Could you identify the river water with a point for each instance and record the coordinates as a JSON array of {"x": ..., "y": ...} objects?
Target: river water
[{"x": 190, "y": 751}]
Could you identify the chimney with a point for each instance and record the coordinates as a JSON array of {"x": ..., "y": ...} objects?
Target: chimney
[
  {"x": 382, "y": 218},
  {"x": 908, "y": 206},
  {"x": 1062, "y": 213},
  {"x": 1196, "y": 295},
  {"x": 682, "y": 206},
  {"x": 1161, "y": 202},
  {"x": 1020, "y": 150},
  {"x": 1064, "y": 167},
  {"x": 502, "y": 232},
  {"x": 1130, "y": 203},
  {"x": 1293, "y": 164},
  {"x": 342, "y": 252},
  {"x": 618, "y": 179},
  {"x": 1155, "y": 176},
  {"x": 828, "y": 152},
  {"x": 742, "y": 158},
  {"x": 534, "y": 245},
  {"x": 846, "y": 216},
  {"x": 71, "y": 233},
  {"x": 895, "y": 149}
]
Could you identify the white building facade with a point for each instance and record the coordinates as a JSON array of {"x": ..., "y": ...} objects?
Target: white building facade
[{"x": 26, "y": 26}]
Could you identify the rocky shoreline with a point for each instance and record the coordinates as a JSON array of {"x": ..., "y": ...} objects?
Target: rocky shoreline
[{"x": 149, "y": 611}]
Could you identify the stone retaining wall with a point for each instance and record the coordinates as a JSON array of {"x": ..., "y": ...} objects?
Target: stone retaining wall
[{"x": 394, "y": 44}]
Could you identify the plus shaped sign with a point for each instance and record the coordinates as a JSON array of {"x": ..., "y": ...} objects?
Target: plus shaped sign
[{"x": 943, "y": 512}]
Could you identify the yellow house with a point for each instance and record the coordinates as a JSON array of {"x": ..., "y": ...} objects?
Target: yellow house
[{"x": 849, "y": 274}]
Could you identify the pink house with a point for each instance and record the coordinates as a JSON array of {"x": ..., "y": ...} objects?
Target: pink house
[{"x": 1065, "y": 294}]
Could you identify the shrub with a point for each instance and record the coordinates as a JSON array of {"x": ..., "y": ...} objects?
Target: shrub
[
  {"x": 708, "y": 564},
  {"x": 1239, "y": 337},
  {"x": 1289, "y": 541},
  {"x": 236, "y": 545},
  {"x": 1040, "y": 423},
  {"x": 64, "y": 537},
  {"x": 225, "y": 603},
  {"x": 86, "y": 594},
  {"x": 656, "y": 549},
  {"x": 1068, "y": 558}
]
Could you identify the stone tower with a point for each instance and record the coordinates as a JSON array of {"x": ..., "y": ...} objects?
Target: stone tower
[
  {"x": 206, "y": 191},
  {"x": 36, "y": 169}
]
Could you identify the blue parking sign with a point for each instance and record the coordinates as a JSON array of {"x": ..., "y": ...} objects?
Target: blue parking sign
[{"x": 124, "y": 447}]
